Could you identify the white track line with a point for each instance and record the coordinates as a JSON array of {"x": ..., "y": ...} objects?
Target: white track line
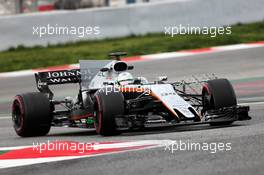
[
  {"x": 253, "y": 103},
  {"x": 104, "y": 146},
  {"x": 13, "y": 148},
  {"x": 23, "y": 162},
  {"x": 171, "y": 55},
  {"x": 5, "y": 117}
]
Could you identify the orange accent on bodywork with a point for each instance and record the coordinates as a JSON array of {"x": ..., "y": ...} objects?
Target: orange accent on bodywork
[
  {"x": 154, "y": 95},
  {"x": 131, "y": 89}
]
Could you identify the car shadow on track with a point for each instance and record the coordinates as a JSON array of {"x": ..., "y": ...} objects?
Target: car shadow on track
[
  {"x": 171, "y": 129},
  {"x": 81, "y": 132},
  {"x": 148, "y": 131}
]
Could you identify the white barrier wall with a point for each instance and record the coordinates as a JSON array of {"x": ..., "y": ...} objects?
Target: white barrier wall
[{"x": 132, "y": 19}]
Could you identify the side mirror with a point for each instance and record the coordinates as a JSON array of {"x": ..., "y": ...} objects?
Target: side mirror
[
  {"x": 108, "y": 83},
  {"x": 105, "y": 69},
  {"x": 163, "y": 78},
  {"x": 130, "y": 67}
]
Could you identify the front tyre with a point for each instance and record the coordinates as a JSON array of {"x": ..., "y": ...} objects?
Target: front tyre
[
  {"x": 108, "y": 105},
  {"x": 218, "y": 94},
  {"x": 31, "y": 114}
]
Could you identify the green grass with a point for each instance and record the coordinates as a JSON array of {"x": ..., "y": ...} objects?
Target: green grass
[
  {"x": 2, "y": 152},
  {"x": 26, "y": 58}
]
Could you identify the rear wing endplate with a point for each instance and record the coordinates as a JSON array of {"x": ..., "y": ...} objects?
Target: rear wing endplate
[{"x": 44, "y": 79}]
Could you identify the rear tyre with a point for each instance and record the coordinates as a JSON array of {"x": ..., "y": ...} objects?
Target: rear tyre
[
  {"x": 107, "y": 106},
  {"x": 217, "y": 94},
  {"x": 31, "y": 114}
]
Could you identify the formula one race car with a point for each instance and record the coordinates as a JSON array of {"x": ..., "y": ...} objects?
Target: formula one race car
[{"x": 111, "y": 100}]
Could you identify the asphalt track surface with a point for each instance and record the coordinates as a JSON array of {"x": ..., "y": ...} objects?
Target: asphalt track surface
[{"x": 247, "y": 138}]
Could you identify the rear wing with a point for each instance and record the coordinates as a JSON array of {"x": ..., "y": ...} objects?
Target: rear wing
[
  {"x": 89, "y": 70},
  {"x": 44, "y": 79}
]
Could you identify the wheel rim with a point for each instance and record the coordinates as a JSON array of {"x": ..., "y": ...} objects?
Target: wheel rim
[
  {"x": 206, "y": 99},
  {"x": 98, "y": 122},
  {"x": 98, "y": 115},
  {"x": 17, "y": 115}
]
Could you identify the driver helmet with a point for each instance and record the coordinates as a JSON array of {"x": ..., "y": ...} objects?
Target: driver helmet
[{"x": 125, "y": 78}]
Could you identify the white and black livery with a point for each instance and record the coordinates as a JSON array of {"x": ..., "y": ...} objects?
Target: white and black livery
[{"x": 111, "y": 100}]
